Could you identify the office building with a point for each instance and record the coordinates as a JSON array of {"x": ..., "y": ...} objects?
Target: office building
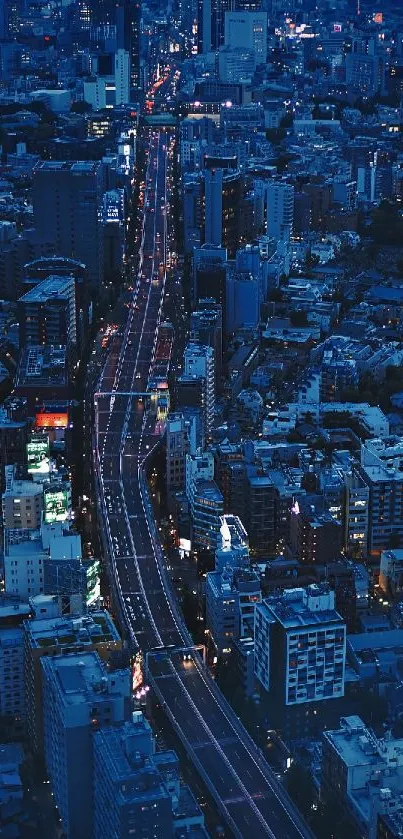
[
  {"x": 47, "y": 313},
  {"x": 67, "y": 574},
  {"x": 79, "y": 697},
  {"x": 261, "y": 514},
  {"x": 198, "y": 362},
  {"x": 122, "y": 77},
  {"x": 193, "y": 211},
  {"x": 230, "y": 473},
  {"x": 210, "y": 24},
  {"x": 206, "y": 329},
  {"x": 129, "y": 792},
  {"x": 128, "y": 19},
  {"x": 114, "y": 232},
  {"x": 58, "y": 635},
  {"x": 391, "y": 573},
  {"x": 242, "y": 300},
  {"x": 13, "y": 441},
  {"x": 23, "y": 562},
  {"x": 231, "y": 597},
  {"x": 384, "y": 479},
  {"x": 363, "y": 774},
  {"x": 22, "y": 502},
  {"x": 12, "y": 684},
  {"x": 316, "y": 536},
  {"x": 365, "y": 73},
  {"x": 222, "y": 202},
  {"x": 199, "y": 467},
  {"x": 38, "y": 270},
  {"x": 247, "y": 30},
  {"x": 207, "y": 508},
  {"x": 300, "y": 653},
  {"x": 189, "y": 397},
  {"x": 356, "y": 513},
  {"x": 209, "y": 274},
  {"x": 279, "y": 210},
  {"x": 236, "y": 65},
  {"x": 177, "y": 447},
  {"x": 67, "y": 200},
  {"x": 34, "y": 560}
]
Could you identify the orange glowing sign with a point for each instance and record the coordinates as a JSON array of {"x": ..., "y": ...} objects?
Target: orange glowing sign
[
  {"x": 52, "y": 420},
  {"x": 378, "y": 17}
]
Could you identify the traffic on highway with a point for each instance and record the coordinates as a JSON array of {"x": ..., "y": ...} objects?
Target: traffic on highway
[{"x": 245, "y": 789}]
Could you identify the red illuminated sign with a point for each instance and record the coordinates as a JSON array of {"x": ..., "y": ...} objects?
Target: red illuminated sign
[{"x": 52, "y": 420}]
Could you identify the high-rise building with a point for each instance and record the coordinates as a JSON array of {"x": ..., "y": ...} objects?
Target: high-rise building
[
  {"x": 300, "y": 653},
  {"x": 279, "y": 210},
  {"x": 12, "y": 684},
  {"x": 47, "y": 313},
  {"x": 222, "y": 201},
  {"x": 50, "y": 636},
  {"x": 242, "y": 300},
  {"x": 22, "y": 502},
  {"x": 177, "y": 448},
  {"x": 363, "y": 775},
  {"x": 383, "y": 476},
  {"x": 67, "y": 199},
  {"x": 206, "y": 329},
  {"x": 206, "y": 506},
  {"x": 122, "y": 77},
  {"x": 261, "y": 513},
  {"x": 231, "y": 477},
  {"x": 210, "y": 24},
  {"x": 129, "y": 792},
  {"x": 316, "y": 536},
  {"x": 199, "y": 362},
  {"x": 247, "y": 29},
  {"x": 128, "y": 15},
  {"x": 231, "y": 597},
  {"x": 79, "y": 697},
  {"x": 209, "y": 274}
]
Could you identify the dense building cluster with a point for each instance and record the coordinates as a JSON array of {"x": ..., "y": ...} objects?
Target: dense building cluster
[{"x": 274, "y": 408}]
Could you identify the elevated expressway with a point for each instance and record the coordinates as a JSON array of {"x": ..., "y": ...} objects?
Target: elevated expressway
[{"x": 251, "y": 801}]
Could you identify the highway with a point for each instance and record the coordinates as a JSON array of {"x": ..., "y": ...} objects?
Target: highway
[{"x": 126, "y": 431}]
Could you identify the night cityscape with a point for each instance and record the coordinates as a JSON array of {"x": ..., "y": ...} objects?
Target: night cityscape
[{"x": 201, "y": 419}]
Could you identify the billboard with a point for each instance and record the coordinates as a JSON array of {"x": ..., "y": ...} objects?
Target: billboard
[
  {"x": 56, "y": 505},
  {"x": 38, "y": 455},
  {"x": 93, "y": 581},
  {"x": 45, "y": 420}
]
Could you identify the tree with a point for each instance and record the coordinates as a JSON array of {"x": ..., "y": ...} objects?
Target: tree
[
  {"x": 386, "y": 227},
  {"x": 300, "y": 787},
  {"x": 81, "y": 107},
  {"x": 298, "y": 318}
]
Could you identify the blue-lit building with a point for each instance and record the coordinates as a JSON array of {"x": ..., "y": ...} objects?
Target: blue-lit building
[
  {"x": 130, "y": 795},
  {"x": 300, "y": 656},
  {"x": 79, "y": 697}
]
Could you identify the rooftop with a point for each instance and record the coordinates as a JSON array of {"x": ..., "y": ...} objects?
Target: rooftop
[
  {"x": 52, "y": 287},
  {"x": 299, "y": 607},
  {"x": 96, "y": 628},
  {"x": 41, "y": 366}
]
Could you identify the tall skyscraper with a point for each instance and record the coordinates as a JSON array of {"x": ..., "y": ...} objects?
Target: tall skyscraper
[
  {"x": 67, "y": 199},
  {"x": 199, "y": 362},
  {"x": 128, "y": 13},
  {"x": 280, "y": 210},
  {"x": 222, "y": 199},
  {"x": 248, "y": 30},
  {"x": 211, "y": 20}
]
